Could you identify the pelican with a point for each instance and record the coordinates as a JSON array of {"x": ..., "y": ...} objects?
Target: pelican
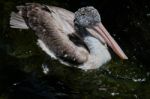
[{"x": 75, "y": 39}]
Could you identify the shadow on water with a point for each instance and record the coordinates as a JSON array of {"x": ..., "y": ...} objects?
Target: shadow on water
[{"x": 27, "y": 72}]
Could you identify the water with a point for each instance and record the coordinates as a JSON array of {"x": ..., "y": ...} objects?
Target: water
[{"x": 27, "y": 72}]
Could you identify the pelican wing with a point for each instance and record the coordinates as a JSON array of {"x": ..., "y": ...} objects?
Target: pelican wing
[
  {"x": 54, "y": 27},
  {"x": 69, "y": 46},
  {"x": 66, "y": 16}
]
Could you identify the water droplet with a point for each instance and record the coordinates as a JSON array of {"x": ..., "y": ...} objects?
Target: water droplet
[
  {"x": 138, "y": 23},
  {"x": 15, "y": 84},
  {"x": 148, "y": 14},
  {"x": 114, "y": 35},
  {"x": 148, "y": 73},
  {"x": 102, "y": 89},
  {"x": 30, "y": 51},
  {"x": 135, "y": 96},
  {"x": 135, "y": 49},
  {"x": 139, "y": 80},
  {"x": 113, "y": 93},
  {"x": 45, "y": 69}
]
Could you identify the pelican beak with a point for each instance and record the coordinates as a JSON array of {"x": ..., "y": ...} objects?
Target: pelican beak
[{"x": 101, "y": 30}]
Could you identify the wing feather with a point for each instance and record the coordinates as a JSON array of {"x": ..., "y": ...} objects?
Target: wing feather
[{"x": 54, "y": 26}]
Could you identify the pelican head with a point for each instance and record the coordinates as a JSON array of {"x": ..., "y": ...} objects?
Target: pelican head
[{"x": 89, "y": 18}]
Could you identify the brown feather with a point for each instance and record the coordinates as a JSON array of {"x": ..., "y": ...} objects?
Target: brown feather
[{"x": 52, "y": 26}]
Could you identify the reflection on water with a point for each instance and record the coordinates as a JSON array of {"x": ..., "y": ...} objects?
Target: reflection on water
[{"x": 27, "y": 72}]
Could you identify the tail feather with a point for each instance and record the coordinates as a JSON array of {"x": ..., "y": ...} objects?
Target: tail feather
[{"x": 17, "y": 21}]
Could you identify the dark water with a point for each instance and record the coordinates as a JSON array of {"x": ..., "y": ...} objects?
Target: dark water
[{"x": 22, "y": 62}]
